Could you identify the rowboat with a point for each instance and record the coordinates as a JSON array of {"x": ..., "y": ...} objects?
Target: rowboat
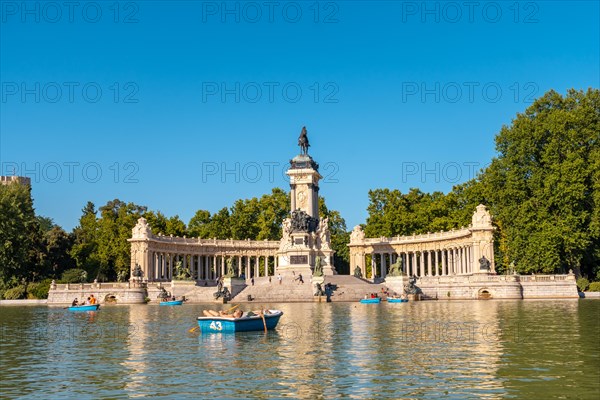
[
  {"x": 171, "y": 303},
  {"x": 87, "y": 307},
  {"x": 396, "y": 300},
  {"x": 375, "y": 300},
  {"x": 243, "y": 324}
]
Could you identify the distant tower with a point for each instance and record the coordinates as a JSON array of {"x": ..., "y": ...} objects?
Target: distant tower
[
  {"x": 7, "y": 180},
  {"x": 305, "y": 235}
]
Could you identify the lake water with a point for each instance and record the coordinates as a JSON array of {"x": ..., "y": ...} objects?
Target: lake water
[{"x": 471, "y": 349}]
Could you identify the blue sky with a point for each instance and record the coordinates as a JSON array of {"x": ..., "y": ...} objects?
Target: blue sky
[{"x": 191, "y": 105}]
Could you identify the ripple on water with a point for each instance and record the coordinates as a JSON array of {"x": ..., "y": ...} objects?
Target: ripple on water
[{"x": 428, "y": 349}]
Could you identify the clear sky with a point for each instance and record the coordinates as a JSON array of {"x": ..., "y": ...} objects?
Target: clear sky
[{"x": 189, "y": 105}]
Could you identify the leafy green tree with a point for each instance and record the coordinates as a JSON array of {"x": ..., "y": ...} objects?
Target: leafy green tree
[
  {"x": 157, "y": 222},
  {"x": 116, "y": 222},
  {"x": 219, "y": 225},
  {"x": 198, "y": 225},
  {"x": 18, "y": 232},
  {"x": 85, "y": 241},
  {"x": 340, "y": 237},
  {"x": 543, "y": 186},
  {"x": 175, "y": 226},
  {"x": 57, "y": 258}
]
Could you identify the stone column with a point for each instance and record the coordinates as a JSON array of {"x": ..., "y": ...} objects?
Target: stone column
[
  {"x": 256, "y": 266},
  {"x": 383, "y": 265},
  {"x": 373, "y": 265},
  {"x": 444, "y": 268},
  {"x": 469, "y": 260},
  {"x": 429, "y": 262},
  {"x": 436, "y": 263},
  {"x": 422, "y": 264},
  {"x": 455, "y": 261},
  {"x": 293, "y": 196}
]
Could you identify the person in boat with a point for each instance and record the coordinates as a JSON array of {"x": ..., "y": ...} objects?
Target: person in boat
[
  {"x": 92, "y": 299},
  {"x": 75, "y": 302},
  {"x": 173, "y": 298}
]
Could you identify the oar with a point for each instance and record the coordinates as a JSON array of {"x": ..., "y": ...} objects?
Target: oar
[
  {"x": 232, "y": 308},
  {"x": 262, "y": 315}
]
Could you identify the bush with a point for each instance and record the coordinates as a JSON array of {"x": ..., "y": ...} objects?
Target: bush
[
  {"x": 74, "y": 275},
  {"x": 582, "y": 284},
  {"x": 39, "y": 290},
  {"x": 594, "y": 287},
  {"x": 16, "y": 293}
]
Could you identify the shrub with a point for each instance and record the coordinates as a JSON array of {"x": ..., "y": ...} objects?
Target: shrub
[
  {"x": 582, "y": 284},
  {"x": 39, "y": 290},
  {"x": 594, "y": 287},
  {"x": 74, "y": 275},
  {"x": 16, "y": 293}
]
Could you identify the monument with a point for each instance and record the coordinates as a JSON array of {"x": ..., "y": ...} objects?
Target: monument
[{"x": 306, "y": 239}]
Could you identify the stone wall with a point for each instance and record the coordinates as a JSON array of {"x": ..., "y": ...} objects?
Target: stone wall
[
  {"x": 480, "y": 286},
  {"x": 123, "y": 293}
]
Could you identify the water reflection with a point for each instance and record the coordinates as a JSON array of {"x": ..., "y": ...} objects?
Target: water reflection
[{"x": 435, "y": 349}]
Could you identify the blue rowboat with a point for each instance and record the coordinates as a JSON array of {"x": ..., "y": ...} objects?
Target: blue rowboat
[
  {"x": 87, "y": 307},
  {"x": 242, "y": 324},
  {"x": 376, "y": 300},
  {"x": 396, "y": 300},
  {"x": 171, "y": 303}
]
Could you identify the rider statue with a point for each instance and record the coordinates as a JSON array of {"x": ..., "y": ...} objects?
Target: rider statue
[{"x": 303, "y": 141}]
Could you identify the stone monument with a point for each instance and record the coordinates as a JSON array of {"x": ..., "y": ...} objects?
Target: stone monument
[{"x": 305, "y": 235}]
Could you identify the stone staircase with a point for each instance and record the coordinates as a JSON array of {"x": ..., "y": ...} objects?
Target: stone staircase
[
  {"x": 350, "y": 288},
  {"x": 272, "y": 292}
]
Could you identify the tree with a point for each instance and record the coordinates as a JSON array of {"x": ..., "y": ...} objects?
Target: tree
[
  {"x": 117, "y": 219},
  {"x": 340, "y": 237},
  {"x": 544, "y": 185},
  {"x": 85, "y": 241},
  {"x": 175, "y": 227},
  {"x": 157, "y": 222},
  {"x": 57, "y": 258},
  {"x": 198, "y": 225},
  {"x": 19, "y": 233}
]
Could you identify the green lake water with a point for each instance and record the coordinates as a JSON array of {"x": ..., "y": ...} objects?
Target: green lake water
[{"x": 471, "y": 349}]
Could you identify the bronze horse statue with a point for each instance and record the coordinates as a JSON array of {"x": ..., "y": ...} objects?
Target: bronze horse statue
[{"x": 303, "y": 141}]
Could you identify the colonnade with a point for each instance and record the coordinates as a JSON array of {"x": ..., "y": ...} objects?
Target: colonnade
[
  {"x": 208, "y": 267},
  {"x": 439, "y": 262}
]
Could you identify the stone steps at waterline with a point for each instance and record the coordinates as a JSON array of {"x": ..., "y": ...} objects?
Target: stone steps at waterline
[{"x": 349, "y": 288}]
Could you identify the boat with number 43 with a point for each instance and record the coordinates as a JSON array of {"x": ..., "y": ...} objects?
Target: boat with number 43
[
  {"x": 86, "y": 307},
  {"x": 246, "y": 323}
]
